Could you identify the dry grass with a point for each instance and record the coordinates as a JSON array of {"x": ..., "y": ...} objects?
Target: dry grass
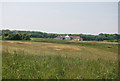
[
  {"x": 17, "y": 42},
  {"x": 41, "y": 48},
  {"x": 60, "y": 47},
  {"x": 106, "y": 42}
]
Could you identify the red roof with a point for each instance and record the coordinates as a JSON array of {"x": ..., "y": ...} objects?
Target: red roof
[
  {"x": 75, "y": 37},
  {"x": 60, "y": 37}
]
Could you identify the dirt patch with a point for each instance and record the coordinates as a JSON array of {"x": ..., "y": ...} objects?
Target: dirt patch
[
  {"x": 8, "y": 41},
  {"x": 24, "y": 43},
  {"x": 58, "y": 48},
  {"x": 17, "y": 42}
]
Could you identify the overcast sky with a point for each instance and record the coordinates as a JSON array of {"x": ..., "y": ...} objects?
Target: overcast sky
[{"x": 61, "y": 17}]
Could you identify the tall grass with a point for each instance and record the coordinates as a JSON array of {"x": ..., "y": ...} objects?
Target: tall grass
[
  {"x": 21, "y": 66},
  {"x": 37, "y": 61}
]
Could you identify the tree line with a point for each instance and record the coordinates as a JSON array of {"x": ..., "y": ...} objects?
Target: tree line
[
  {"x": 14, "y": 35},
  {"x": 26, "y": 35}
]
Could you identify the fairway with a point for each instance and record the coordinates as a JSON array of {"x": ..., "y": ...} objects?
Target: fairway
[{"x": 58, "y": 60}]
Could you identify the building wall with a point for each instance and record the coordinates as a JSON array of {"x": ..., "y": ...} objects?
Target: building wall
[
  {"x": 78, "y": 39},
  {"x": 75, "y": 39},
  {"x": 59, "y": 38},
  {"x": 68, "y": 38},
  {"x": 81, "y": 39}
]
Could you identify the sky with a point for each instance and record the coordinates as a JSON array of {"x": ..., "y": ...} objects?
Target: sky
[
  {"x": 59, "y": 0},
  {"x": 61, "y": 17}
]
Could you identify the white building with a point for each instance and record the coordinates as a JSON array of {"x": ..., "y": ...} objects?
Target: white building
[{"x": 69, "y": 38}]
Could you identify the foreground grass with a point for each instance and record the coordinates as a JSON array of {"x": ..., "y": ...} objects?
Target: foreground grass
[
  {"x": 55, "y": 67},
  {"x": 43, "y": 60}
]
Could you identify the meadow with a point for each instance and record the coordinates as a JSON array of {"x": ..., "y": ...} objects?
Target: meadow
[{"x": 59, "y": 59}]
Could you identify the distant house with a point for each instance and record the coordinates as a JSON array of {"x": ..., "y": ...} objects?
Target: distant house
[{"x": 69, "y": 38}]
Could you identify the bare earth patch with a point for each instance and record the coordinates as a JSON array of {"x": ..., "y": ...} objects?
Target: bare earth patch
[
  {"x": 17, "y": 42},
  {"x": 62, "y": 48}
]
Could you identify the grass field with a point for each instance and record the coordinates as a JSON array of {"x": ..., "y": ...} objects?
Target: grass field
[{"x": 59, "y": 59}]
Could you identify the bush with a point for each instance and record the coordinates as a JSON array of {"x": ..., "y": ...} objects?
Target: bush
[
  {"x": 114, "y": 40},
  {"x": 16, "y": 36}
]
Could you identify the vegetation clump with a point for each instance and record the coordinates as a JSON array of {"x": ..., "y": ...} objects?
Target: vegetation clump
[{"x": 15, "y": 36}]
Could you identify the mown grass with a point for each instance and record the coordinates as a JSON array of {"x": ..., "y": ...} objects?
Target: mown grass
[{"x": 46, "y": 60}]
